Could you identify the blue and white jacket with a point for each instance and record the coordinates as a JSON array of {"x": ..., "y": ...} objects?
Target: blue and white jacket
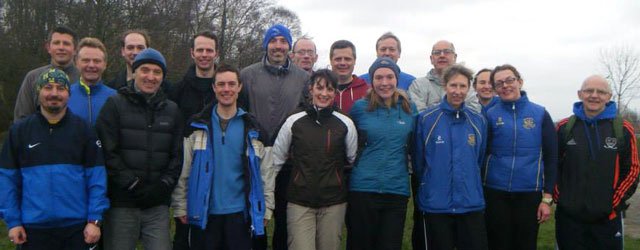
[
  {"x": 383, "y": 139},
  {"x": 86, "y": 101},
  {"x": 449, "y": 149},
  {"x": 52, "y": 175},
  {"x": 522, "y": 151},
  {"x": 194, "y": 189}
]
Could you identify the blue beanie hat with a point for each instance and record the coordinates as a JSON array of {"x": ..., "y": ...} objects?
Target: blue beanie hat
[
  {"x": 52, "y": 75},
  {"x": 384, "y": 62},
  {"x": 150, "y": 56},
  {"x": 276, "y": 30}
]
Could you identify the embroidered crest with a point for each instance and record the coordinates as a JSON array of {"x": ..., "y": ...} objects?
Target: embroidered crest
[
  {"x": 499, "y": 122},
  {"x": 528, "y": 123},
  {"x": 471, "y": 139},
  {"x": 439, "y": 140},
  {"x": 611, "y": 143}
]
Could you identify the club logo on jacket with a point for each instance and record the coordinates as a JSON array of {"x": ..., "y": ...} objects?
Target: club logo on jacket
[
  {"x": 439, "y": 140},
  {"x": 499, "y": 122},
  {"x": 571, "y": 142},
  {"x": 528, "y": 123},
  {"x": 471, "y": 139},
  {"x": 98, "y": 143},
  {"x": 611, "y": 143}
]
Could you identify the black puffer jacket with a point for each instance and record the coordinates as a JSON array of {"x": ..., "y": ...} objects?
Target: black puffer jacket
[{"x": 142, "y": 143}]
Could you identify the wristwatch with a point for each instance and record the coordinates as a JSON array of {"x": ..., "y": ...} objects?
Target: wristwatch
[
  {"x": 548, "y": 201},
  {"x": 95, "y": 222}
]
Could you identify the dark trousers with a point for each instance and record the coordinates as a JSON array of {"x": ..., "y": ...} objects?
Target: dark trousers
[
  {"x": 511, "y": 219},
  {"x": 227, "y": 231},
  {"x": 456, "y": 231},
  {"x": 181, "y": 236},
  {"x": 279, "y": 241},
  {"x": 60, "y": 238},
  {"x": 576, "y": 234},
  {"x": 376, "y": 221},
  {"x": 417, "y": 234}
]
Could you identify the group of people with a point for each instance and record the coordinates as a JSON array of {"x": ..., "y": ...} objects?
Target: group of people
[{"x": 88, "y": 162}]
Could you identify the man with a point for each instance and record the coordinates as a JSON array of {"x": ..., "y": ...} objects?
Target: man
[
  {"x": 52, "y": 174},
  {"x": 132, "y": 42},
  {"x": 192, "y": 94},
  {"x": 61, "y": 46},
  {"x": 141, "y": 132},
  {"x": 484, "y": 89},
  {"x": 215, "y": 202},
  {"x": 389, "y": 45},
  {"x": 429, "y": 90},
  {"x": 304, "y": 54},
  {"x": 350, "y": 87},
  {"x": 599, "y": 147},
  {"x": 89, "y": 94},
  {"x": 272, "y": 89}
]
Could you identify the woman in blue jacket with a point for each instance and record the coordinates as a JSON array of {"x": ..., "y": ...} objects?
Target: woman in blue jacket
[
  {"x": 521, "y": 165},
  {"x": 449, "y": 148},
  {"x": 379, "y": 186}
]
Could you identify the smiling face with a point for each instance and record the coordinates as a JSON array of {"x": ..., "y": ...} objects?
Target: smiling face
[
  {"x": 456, "y": 89},
  {"x": 384, "y": 83},
  {"x": 226, "y": 86},
  {"x": 388, "y": 48},
  {"x": 61, "y": 49},
  {"x": 204, "y": 53},
  {"x": 483, "y": 86},
  {"x": 304, "y": 54},
  {"x": 507, "y": 85},
  {"x": 277, "y": 50},
  {"x": 53, "y": 98},
  {"x": 322, "y": 93},
  {"x": 442, "y": 56},
  {"x": 91, "y": 64},
  {"x": 343, "y": 63},
  {"x": 148, "y": 78},
  {"x": 134, "y": 43},
  {"x": 594, "y": 94}
]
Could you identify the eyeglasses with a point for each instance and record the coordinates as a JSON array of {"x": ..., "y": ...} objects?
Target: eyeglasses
[
  {"x": 442, "y": 51},
  {"x": 600, "y": 92},
  {"x": 305, "y": 52},
  {"x": 508, "y": 81}
]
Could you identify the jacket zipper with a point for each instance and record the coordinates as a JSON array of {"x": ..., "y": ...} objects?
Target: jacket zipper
[{"x": 515, "y": 135}]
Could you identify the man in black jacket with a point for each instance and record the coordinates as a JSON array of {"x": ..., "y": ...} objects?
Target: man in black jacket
[
  {"x": 141, "y": 132},
  {"x": 597, "y": 172}
]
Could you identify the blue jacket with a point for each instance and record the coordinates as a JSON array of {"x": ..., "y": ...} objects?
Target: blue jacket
[
  {"x": 489, "y": 105},
  {"x": 197, "y": 178},
  {"x": 522, "y": 147},
  {"x": 449, "y": 148},
  {"x": 404, "y": 80},
  {"x": 52, "y": 175},
  {"x": 383, "y": 138},
  {"x": 88, "y": 105}
]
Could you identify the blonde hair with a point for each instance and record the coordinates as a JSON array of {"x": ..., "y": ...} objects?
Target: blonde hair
[{"x": 93, "y": 42}]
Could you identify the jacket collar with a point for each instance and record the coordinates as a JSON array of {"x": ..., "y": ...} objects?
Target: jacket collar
[{"x": 609, "y": 112}]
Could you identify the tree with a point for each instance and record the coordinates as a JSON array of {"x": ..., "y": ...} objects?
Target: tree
[{"x": 621, "y": 66}]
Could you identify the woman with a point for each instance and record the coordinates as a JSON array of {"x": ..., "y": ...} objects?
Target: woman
[
  {"x": 520, "y": 170},
  {"x": 379, "y": 186},
  {"x": 319, "y": 140},
  {"x": 450, "y": 143}
]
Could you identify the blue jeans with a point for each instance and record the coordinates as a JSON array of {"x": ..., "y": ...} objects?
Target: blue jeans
[{"x": 124, "y": 226}]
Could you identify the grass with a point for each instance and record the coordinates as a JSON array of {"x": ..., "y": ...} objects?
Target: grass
[{"x": 546, "y": 236}]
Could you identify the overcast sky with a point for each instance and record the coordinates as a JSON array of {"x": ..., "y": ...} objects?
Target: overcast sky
[{"x": 554, "y": 44}]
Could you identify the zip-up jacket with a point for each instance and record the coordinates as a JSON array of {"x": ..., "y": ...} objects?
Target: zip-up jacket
[
  {"x": 383, "y": 140},
  {"x": 191, "y": 95},
  {"x": 52, "y": 175},
  {"x": 597, "y": 173},
  {"x": 142, "y": 142},
  {"x": 356, "y": 90},
  {"x": 522, "y": 147},
  {"x": 449, "y": 148},
  {"x": 319, "y": 143},
  {"x": 86, "y": 101},
  {"x": 428, "y": 91},
  {"x": 192, "y": 195}
]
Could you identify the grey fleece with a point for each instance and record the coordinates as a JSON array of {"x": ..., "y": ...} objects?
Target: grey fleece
[{"x": 429, "y": 90}]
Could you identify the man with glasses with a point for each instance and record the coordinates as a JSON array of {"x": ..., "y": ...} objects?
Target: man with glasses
[
  {"x": 389, "y": 45},
  {"x": 600, "y": 147},
  {"x": 304, "y": 54},
  {"x": 429, "y": 90}
]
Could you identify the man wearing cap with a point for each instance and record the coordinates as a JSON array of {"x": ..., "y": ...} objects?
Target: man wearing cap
[
  {"x": 271, "y": 91},
  {"x": 389, "y": 45},
  {"x": 61, "y": 47},
  {"x": 429, "y": 90},
  {"x": 304, "y": 54},
  {"x": 141, "y": 132},
  {"x": 89, "y": 93},
  {"x": 52, "y": 174}
]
